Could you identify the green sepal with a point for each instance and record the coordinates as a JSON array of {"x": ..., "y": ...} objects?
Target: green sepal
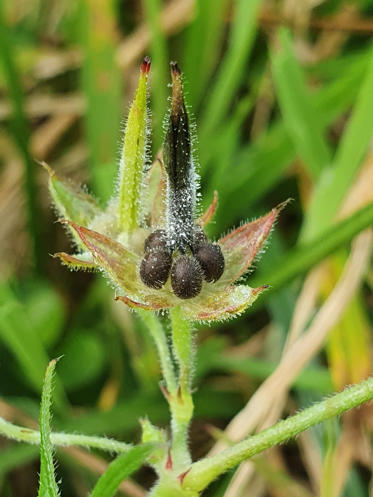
[{"x": 133, "y": 157}]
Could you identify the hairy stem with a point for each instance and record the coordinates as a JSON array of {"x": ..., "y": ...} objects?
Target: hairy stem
[
  {"x": 182, "y": 343},
  {"x": 22, "y": 434},
  {"x": 160, "y": 339},
  {"x": 206, "y": 470},
  {"x": 181, "y": 404}
]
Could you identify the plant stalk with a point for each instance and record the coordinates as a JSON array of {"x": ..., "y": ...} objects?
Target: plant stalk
[{"x": 205, "y": 471}]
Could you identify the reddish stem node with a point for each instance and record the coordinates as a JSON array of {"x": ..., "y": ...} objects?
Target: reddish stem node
[
  {"x": 183, "y": 475},
  {"x": 169, "y": 461}
]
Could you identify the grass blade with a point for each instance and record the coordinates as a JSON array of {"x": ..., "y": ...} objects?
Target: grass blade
[
  {"x": 335, "y": 181},
  {"x": 120, "y": 469},
  {"x": 102, "y": 89},
  {"x": 21, "y": 135},
  {"x": 233, "y": 65},
  {"x": 47, "y": 482},
  {"x": 260, "y": 165},
  {"x": 202, "y": 47},
  {"x": 300, "y": 117},
  {"x": 160, "y": 68}
]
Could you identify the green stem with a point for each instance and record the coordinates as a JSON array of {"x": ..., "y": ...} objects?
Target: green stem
[
  {"x": 159, "y": 337},
  {"x": 181, "y": 404},
  {"x": 27, "y": 435},
  {"x": 182, "y": 342},
  {"x": 205, "y": 471}
]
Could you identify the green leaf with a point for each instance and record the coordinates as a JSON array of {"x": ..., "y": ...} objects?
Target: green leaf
[
  {"x": 84, "y": 359},
  {"x": 300, "y": 116},
  {"x": 101, "y": 85},
  {"x": 233, "y": 65},
  {"x": 46, "y": 312},
  {"x": 120, "y": 469},
  {"x": 259, "y": 166},
  {"x": 335, "y": 181},
  {"x": 16, "y": 331},
  {"x": 203, "y": 40},
  {"x": 16, "y": 456},
  {"x": 21, "y": 133},
  {"x": 159, "y": 55},
  {"x": 47, "y": 482}
]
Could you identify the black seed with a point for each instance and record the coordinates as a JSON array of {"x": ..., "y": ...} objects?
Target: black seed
[
  {"x": 211, "y": 260},
  {"x": 186, "y": 277},
  {"x": 156, "y": 241},
  {"x": 199, "y": 238},
  {"x": 155, "y": 268}
]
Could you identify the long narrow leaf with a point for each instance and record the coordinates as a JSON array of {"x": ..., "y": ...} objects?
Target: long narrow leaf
[
  {"x": 47, "y": 482},
  {"x": 300, "y": 117},
  {"x": 160, "y": 67},
  {"x": 101, "y": 87},
  {"x": 120, "y": 469},
  {"x": 233, "y": 66},
  {"x": 335, "y": 181},
  {"x": 202, "y": 47},
  {"x": 21, "y": 134}
]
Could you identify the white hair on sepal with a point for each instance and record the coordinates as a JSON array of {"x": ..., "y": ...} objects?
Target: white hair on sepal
[{"x": 120, "y": 152}]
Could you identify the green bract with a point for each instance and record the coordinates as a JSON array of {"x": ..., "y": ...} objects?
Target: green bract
[{"x": 112, "y": 239}]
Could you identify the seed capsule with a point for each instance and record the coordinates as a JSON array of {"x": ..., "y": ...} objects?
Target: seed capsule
[
  {"x": 156, "y": 241},
  {"x": 186, "y": 277},
  {"x": 155, "y": 268},
  {"x": 178, "y": 162},
  {"x": 199, "y": 238},
  {"x": 211, "y": 260}
]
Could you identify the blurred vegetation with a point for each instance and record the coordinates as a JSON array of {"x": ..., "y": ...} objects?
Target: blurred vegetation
[{"x": 282, "y": 97}]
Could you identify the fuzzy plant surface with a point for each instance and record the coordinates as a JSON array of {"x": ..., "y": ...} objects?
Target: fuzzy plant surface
[{"x": 149, "y": 241}]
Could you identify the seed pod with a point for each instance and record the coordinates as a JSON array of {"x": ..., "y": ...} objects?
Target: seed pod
[
  {"x": 211, "y": 260},
  {"x": 155, "y": 268},
  {"x": 186, "y": 277},
  {"x": 177, "y": 157},
  {"x": 199, "y": 238},
  {"x": 156, "y": 241}
]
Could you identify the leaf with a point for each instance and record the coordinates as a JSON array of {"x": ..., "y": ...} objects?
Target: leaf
[
  {"x": 233, "y": 66},
  {"x": 15, "y": 456},
  {"x": 46, "y": 312},
  {"x": 335, "y": 181},
  {"x": 16, "y": 331},
  {"x": 159, "y": 55},
  {"x": 21, "y": 132},
  {"x": 203, "y": 40},
  {"x": 120, "y": 469},
  {"x": 47, "y": 482},
  {"x": 81, "y": 348},
  {"x": 300, "y": 117},
  {"x": 101, "y": 85}
]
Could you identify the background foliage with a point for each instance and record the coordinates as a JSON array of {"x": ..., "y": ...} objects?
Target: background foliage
[{"x": 282, "y": 97}]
